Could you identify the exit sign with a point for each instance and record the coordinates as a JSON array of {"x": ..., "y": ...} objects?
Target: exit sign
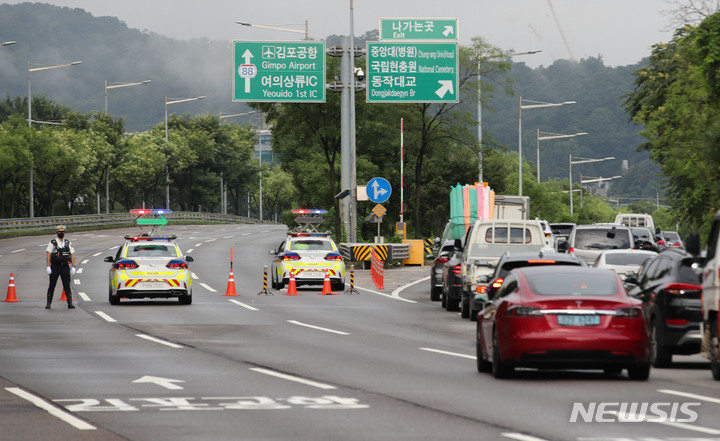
[{"x": 426, "y": 29}]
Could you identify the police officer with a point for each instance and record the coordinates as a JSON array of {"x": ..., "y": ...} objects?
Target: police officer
[{"x": 60, "y": 263}]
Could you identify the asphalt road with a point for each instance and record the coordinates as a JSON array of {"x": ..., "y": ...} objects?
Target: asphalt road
[{"x": 379, "y": 365}]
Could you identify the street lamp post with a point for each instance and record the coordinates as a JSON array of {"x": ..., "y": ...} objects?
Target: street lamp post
[
  {"x": 35, "y": 69},
  {"x": 581, "y": 161},
  {"x": 112, "y": 85},
  {"x": 167, "y": 169},
  {"x": 534, "y": 105},
  {"x": 590, "y": 180},
  {"x": 7, "y": 43},
  {"x": 278, "y": 28},
  {"x": 550, "y": 136},
  {"x": 479, "y": 109}
]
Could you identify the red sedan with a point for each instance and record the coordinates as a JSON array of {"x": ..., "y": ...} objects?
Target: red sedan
[{"x": 563, "y": 317}]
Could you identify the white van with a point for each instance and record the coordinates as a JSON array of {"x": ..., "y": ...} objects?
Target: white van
[
  {"x": 636, "y": 220},
  {"x": 487, "y": 240}
]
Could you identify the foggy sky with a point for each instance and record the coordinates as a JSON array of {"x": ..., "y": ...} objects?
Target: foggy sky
[{"x": 622, "y": 32}]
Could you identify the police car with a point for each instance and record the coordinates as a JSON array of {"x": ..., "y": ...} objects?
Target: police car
[
  {"x": 149, "y": 266},
  {"x": 309, "y": 255}
]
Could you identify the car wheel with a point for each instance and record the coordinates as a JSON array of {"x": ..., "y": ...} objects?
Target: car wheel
[
  {"x": 114, "y": 300},
  {"x": 639, "y": 372},
  {"x": 660, "y": 356},
  {"x": 465, "y": 307},
  {"x": 452, "y": 304},
  {"x": 435, "y": 293},
  {"x": 612, "y": 371},
  {"x": 443, "y": 300},
  {"x": 473, "y": 314},
  {"x": 337, "y": 286},
  {"x": 482, "y": 364},
  {"x": 280, "y": 285},
  {"x": 273, "y": 284},
  {"x": 499, "y": 369},
  {"x": 185, "y": 299}
]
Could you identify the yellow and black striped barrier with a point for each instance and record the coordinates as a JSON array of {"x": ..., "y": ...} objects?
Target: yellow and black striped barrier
[
  {"x": 362, "y": 252},
  {"x": 352, "y": 289},
  {"x": 265, "y": 290}
]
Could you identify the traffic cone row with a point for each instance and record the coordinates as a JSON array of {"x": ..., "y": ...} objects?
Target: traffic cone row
[{"x": 11, "y": 294}]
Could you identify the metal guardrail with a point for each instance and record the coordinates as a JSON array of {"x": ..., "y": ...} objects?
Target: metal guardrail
[
  {"x": 94, "y": 220},
  {"x": 355, "y": 252}
]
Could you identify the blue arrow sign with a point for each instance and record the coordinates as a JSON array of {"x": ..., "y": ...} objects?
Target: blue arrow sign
[{"x": 378, "y": 190}]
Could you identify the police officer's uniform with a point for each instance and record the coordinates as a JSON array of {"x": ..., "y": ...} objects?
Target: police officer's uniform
[{"x": 60, "y": 263}]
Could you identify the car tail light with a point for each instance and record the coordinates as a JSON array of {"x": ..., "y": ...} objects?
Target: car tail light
[
  {"x": 177, "y": 263},
  {"x": 290, "y": 256},
  {"x": 633, "y": 312},
  {"x": 441, "y": 260},
  {"x": 333, "y": 256},
  {"x": 457, "y": 269},
  {"x": 125, "y": 264},
  {"x": 481, "y": 289},
  {"x": 661, "y": 242},
  {"x": 676, "y": 322},
  {"x": 680, "y": 289},
  {"x": 541, "y": 261},
  {"x": 497, "y": 283},
  {"x": 523, "y": 311},
  {"x": 571, "y": 250},
  {"x": 676, "y": 244},
  {"x": 548, "y": 235}
]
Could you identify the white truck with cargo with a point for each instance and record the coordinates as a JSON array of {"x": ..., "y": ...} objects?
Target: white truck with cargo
[
  {"x": 709, "y": 269},
  {"x": 485, "y": 243}
]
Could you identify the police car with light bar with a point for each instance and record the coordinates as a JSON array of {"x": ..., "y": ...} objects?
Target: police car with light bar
[
  {"x": 149, "y": 266},
  {"x": 308, "y": 254}
]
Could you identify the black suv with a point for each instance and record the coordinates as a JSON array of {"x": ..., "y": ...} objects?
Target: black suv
[
  {"x": 671, "y": 290},
  {"x": 489, "y": 284}
]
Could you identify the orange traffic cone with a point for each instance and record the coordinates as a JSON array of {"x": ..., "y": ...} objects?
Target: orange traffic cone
[
  {"x": 11, "y": 294},
  {"x": 63, "y": 298},
  {"x": 326, "y": 291},
  {"x": 292, "y": 286},
  {"x": 231, "y": 285}
]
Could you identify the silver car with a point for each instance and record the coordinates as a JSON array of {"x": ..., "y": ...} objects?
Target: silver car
[{"x": 588, "y": 241}]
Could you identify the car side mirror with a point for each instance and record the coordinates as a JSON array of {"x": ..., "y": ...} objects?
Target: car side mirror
[
  {"x": 189, "y": 259},
  {"x": 109, "y": 259},
  {"x": 611, "y": 233},
  {"x": 272, "y": 252},
  {"x": 631, "y": 278}
]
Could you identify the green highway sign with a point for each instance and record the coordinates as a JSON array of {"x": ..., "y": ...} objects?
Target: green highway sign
[
  {"x": 412, "y": 72},
  {"x": 279, "y": 71},
  {"x": 425, "y": 29}
]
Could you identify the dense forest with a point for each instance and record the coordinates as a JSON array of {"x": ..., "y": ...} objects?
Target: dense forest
[{"x": 111, "y": 52}]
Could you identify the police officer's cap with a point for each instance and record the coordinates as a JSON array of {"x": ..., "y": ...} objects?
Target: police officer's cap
[{"x": 60, "y": 228}]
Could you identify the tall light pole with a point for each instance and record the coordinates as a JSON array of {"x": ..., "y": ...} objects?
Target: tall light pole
[
  {"x": 479, "y": 109},
  {"x": 589, "y": 180},
  {"x": 112, "y": 85},
  {"x": 550, "y": 136},
  {"x": 30, "y": 121},
  {"x": 7, "y": 43},
  {"x": 657, "y": 199},
  {"x": 278, "y": 28},
  {"x": 533, "y": 105},
  {"x": 167, "y": 169},
  {"x": 581, "y": 161}
]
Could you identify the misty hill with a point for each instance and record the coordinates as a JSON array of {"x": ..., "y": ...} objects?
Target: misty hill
[{"x": 110, "y": 51}]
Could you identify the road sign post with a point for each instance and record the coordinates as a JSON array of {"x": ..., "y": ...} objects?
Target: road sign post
[
  {"x": 412, "y": 72},
  {"x": 426, "y": 29},
  {"x": 279, "y": 71}
]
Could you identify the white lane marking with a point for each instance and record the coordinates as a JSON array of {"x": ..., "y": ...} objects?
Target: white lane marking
[
  {"x": 243, "y": 305},
  {"x": 96, "y": 254},
  {"x": 689, "y": 395},
  {"x": 385, "y": 295},
  {"x": 454, "y": 354},
  {"x": 114, "y": 248},
  {"x": 51, "y": 409},
  {"x": 194, "y": 276},
  {"x": 293, "y": 378},
  {"x": 204, "y": 285},
  {"x": 167, "y": 383},
  {"x": 653, "y": 419},
  {"x": 105, "y": 317},
  {"x": 246, "y": 234},
  {"x": 84, "y": 261},
  {"x": 396, "y": 293},
  {"x": 197, "y": 244},
  {"x": 79, "y": 270},
  {"x": 84, "y": 296},
  {"x": 228, "y": 237},
  {"x": 17, "y": 251},
  {"x": 157, "y": 340},
  {"x": 295, "y": 322},
  {"x": 521, "y": 437},
  {"x": 210, "y": 240},
  {"x": 76, "y": 281},
  {"x": 189, "y": 251}
]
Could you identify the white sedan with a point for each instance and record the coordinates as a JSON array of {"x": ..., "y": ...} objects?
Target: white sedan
[{"x": 623, "y": 261}]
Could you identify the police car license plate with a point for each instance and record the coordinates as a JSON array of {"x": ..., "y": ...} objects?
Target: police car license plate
[
  {"x": 152, "y": 285},
  {"x": 579, "y": 320}
]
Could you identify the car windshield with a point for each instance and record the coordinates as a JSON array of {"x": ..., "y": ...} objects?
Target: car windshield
[
  {"x": 629, "y": 258},
  {"x": 500, "y": 235},
  {"x": 583, "y": 284},
  {"x": 525, "y": 263},
  {"x": 311, "y": 245},
  {"x": 671, "y": 235},
  {"x": 599, "y": 239},
  {"x": 151, "y": 250},
  {"x": 642, "y": 233}
]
